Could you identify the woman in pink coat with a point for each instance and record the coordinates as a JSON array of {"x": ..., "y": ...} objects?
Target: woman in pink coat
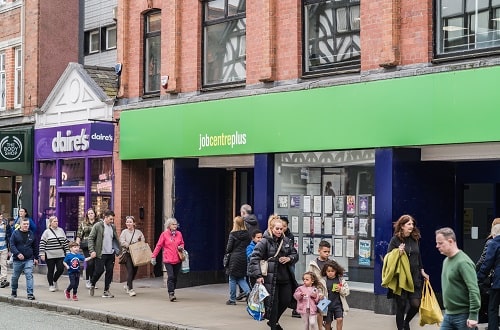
[{"x": 172, "y": 243}]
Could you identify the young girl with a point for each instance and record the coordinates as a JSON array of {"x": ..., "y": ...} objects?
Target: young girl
[
  {"x": 337, "y": 289},
  {"x": 307, "y": 296}
]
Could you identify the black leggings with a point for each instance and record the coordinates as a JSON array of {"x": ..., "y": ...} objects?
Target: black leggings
[
  {"x": 405, "y": 304},
  {"x": 89, "y": 271},
  {"x": 281, "y": 300},
  {"x": 54, "y": 263},
  {"x": 131, "y": 272}
]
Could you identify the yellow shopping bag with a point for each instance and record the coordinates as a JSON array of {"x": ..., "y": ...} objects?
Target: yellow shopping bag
[{"x": 430, "y": 311}]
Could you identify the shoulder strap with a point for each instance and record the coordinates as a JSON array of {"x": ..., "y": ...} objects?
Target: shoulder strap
[
  {"x": 279, "y": 248},
  {"x": 57, "y": 237}
]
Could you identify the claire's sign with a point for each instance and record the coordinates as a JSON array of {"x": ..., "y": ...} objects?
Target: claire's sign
[{"x": 74, "y": 141}]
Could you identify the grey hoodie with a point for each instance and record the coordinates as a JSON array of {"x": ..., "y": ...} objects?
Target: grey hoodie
[{"x": 251, "y": 223}]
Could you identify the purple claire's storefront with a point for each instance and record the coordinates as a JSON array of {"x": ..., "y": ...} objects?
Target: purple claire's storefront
[{"x": 73, "y": 171}]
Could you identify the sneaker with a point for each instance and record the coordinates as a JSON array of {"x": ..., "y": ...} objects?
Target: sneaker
[
  {"x": 91, "y": 290},
  {"x": 55, "y": 286},
  {"x": 171, "y": 296},
  {"x": 13, "y": 294},
  {"x": 295, "y": 314},
  {"x": 88, "y": 284},
  {"x": 131, "y": 292},
  {"x": 125, "y": 287},
  {"x": 66, "y": 294},
  {"x": 241, "y": 296},
  {"x": 4, "y": 284},
  {"x": 52, "y": 288},
  {"x": 75, "y": 297},
  {"x": 107, "y": 294},
  {"x": 230, "y": 302},
  {"x": 31, "y": 297}
]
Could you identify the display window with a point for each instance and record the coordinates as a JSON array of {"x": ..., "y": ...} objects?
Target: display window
[
  {"x": 330, "y": 196},
  {"x": 73, "y": 172}
]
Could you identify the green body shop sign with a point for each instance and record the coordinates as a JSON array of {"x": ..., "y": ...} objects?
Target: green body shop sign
[
  {"x": 11, "y": 147},
  {"x": 440, "y": 108}
]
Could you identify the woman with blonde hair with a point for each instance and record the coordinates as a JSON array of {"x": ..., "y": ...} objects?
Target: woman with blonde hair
[
  {"x": 53, "y": 249},
  {"x": 237, "y": 266},
  {"x": 82, "y": 238}
]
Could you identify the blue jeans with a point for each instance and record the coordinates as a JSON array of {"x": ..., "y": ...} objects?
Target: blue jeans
[
  {"x": 455, "y": 322},
  {"x": 27, "y": 267},
  {"x": 242, "y": 282}
]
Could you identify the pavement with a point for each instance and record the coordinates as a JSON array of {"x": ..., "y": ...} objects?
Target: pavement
[{"x": 201, "y": 307}]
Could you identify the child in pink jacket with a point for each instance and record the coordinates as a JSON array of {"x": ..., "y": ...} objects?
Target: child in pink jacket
[{"x": 307, "y": 296}]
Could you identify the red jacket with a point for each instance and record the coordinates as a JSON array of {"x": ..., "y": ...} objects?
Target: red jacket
[{"x": 169, "y": 243}]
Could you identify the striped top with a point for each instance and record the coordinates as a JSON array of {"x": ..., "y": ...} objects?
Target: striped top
[
  {"x": 3, "y": 235},
  {"x": 54, "y": 246}
]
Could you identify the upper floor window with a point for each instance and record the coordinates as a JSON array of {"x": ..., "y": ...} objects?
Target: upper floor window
[
  {"x": 467, "y": 26},
  {"x": 224, "y": 53},
  {"x": 331, "y": 31},
  {"x": 152, "y": 52},
  {"x": 2, "y": 82},
  {"x": 18, "y": 86},
  {"x": 100, "y": 40}
]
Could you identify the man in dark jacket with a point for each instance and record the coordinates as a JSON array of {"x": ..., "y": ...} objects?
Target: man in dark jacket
[
  {"x": 251, "y": 221},
  {"x": 25, "y": 251}
]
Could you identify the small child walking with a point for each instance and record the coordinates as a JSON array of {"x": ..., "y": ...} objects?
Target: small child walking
[
  {"x": 337, "y": 289},
  {"x": 307, "y": 296},
  {"x": 73, "y": 262}
]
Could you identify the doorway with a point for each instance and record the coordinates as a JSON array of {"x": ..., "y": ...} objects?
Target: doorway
[
  {"x": 478, "y": 213},
  {"x": 71, "y": 209}
]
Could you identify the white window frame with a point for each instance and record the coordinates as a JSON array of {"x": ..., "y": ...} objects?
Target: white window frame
[
  {"x": 108, "y": 32},
  {"x": 3, "y": 81},
  {"x": 18, "y": 87},
  {"x": 92, "y": 35}
]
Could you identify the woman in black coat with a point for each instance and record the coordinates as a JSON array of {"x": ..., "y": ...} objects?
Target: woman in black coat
[
  {"x": 237, "y": 267},
  {"x": 280, "y": 281}
]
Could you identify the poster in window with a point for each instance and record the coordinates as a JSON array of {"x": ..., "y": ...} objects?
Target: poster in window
[
  {"x": 317, "y": 221},
  {"x": 295, "y": 201},
  {"x": 294, "y": 224},
  {"x": 306, "y": 225},
  {"x": 316, "y": 242},
  {"x": 339, "y": 223},
  {"x": 282, "y": 201},
  {"x": 317, "y": 204},
  {"x": 363, "y": 227},
  {"x": 339, "y": 204},
  {"x": 363, "y": 204},
  {"x": 338, "y": 247},
  {"x": 349, "y": 248},
  {"x": 328, "y": 204},
  {"x": 307, "y": 245},
  {"x": 328, "y": 226},
  {"x": 350, "y": 227},
  {"x": 307, "y": 204},
  {"x": 364, "y": 252},
  {"x": 296, "y": 243},
  {"x": 351, "y": 204}
]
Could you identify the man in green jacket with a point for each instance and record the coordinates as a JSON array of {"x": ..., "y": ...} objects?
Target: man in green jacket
[
  {"x": 103, "y": 245},
  {"x": 461, "y": 297}
]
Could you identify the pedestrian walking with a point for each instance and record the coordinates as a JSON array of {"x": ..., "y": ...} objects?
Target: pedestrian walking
[
  {"x": 5, "y": 232},
  {"x": 308, "y": 296},
  {"x": 73, "y": 262},
  {"x": 53, "y": 249},
  {"x": 129, "y": 236},
  {"x": 82, "y": 237}
]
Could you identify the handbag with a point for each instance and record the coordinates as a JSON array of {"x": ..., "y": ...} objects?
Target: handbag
[
  {"x": 225, "y": 261},
  {"x": 255, "y": 302},
  {"x": 430, "y": 311},
  {"x": 140, "y": 253},
  {"x": 182, "y": 256},
  {"x": 124, "y": 255},
  {"x": 264, "y": 264}
]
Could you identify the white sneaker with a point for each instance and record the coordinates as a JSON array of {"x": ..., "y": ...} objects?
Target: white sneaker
[
  {"x": 88, "y": 284},
  {"x": 55, "y": 286},
  {"x": 125, "y": 287},
  {"x": 131, "y": 292},
  {"x": 52, "y": 288}
]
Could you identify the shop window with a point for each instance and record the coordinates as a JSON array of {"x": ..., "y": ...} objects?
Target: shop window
[
  {"x": 467, "y": 27},
  {"x": 331, "y": 31},
  {"x": 152, "y": 52},
  {"x": 224, "y": 47},
  {"x": 102, "y": 184},
  {"x": 330, "y": 196},
  {"x": 47, "y": 190},
  {"x": 73, "y": 172}
]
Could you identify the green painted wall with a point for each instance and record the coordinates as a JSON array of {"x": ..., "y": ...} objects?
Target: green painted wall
[{"x": 441, "y": 108}]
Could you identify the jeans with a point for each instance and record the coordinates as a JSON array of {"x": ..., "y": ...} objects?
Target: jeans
[
  {"x": 455, "y": 322},
  {"x": 57, "y": 264},
  {"x": 493, "y": 308},
  {"x": 105, "y": 263},
  {"x": 242, "y": 282},
  {"x": 27, "y": 267},
  {"x": 74, "y": 282}
]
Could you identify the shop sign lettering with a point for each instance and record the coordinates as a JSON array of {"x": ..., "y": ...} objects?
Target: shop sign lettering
[
  {"x": 70, "y": 142},
  {"x": 11, "y": 147}
]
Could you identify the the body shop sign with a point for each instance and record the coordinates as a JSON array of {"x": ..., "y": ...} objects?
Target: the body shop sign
[
  {"x": 74, "y": 141},
  {"x": 11, "y": 147}
]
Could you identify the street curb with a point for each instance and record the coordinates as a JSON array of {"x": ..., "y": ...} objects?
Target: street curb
[{"x": 104, "y": 317}]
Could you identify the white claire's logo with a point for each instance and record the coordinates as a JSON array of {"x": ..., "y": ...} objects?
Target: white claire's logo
[
  {"x": 11, "y": 147},
  {"x": 222, "y": 140},
  {"x": 70, "y": 142}
]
